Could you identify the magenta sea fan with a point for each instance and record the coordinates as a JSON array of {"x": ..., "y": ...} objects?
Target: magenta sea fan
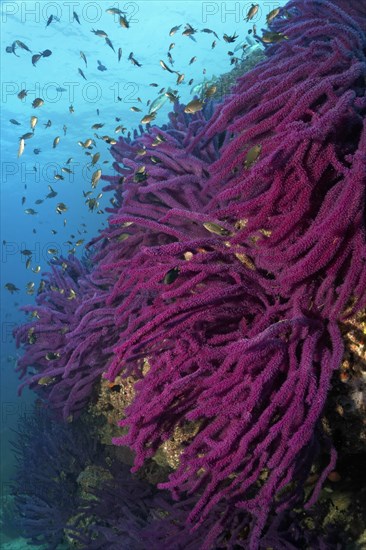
[
  {"x": 305, "y": 109},
  {"x": 63, "y": 359},
  {"x": 245, "y": 338}
]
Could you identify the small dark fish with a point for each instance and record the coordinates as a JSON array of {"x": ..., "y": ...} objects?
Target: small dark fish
[
  {"x": 273, "y": 37},
  {"x": 83, "y": 56},
  {"x": 148, "y": 118},
  {"x": 169, "y": 56},
  {"x": 133, "y": 60},
  {"x": 115, "y": 11},
  {"x": 171, "y": 96},
  {"x": 30, "y": 288},
  {"x": 76, "y": 17},
  {"x": 95, "y": 178},
  {"x": 22, "y": 94},
  {"x": 82, "y": 74},
  {"x": 61, "y": 207},
  {"x": 51, "y": 356},
  {"x": 109, "y": 43},
  {"x": 213, "y": 44},
  {"x": 171, "y": 276},
  {"x": 229, "y": 38},
  {"x": 51, "y": 194},
  {"x": 35, "y": 58},
  {"x": 37, "y": 151},
  {"x": 272, "y": 14},
  {"x": 119, "y": 54},
  {"x": 192, "y": 60},
  {"x": 11, "y": 49},
  {"x": 253, "y": 10},
  {"x": 158, "y": 139},
  {"x": 64, "y": 129},
  {"x": 210, "y": 31},
  {"x": 210, "y": 91},
  {"x": 28, "y": 135},
  {"x": 46, "y": 53},
  {"x": 123, "y": 22},
  {"x": 60, "y": 89},
  {"x": 23, "y": 200},
  {"x": 110, "y": 140},
  {"x": 252, "y": 156},
  {"x": 193, "y": 106},
  {"x": 95, "y": 159},
  {"x": 48, "y": 124},
  {"x": 100, "y": 33},
  {"x": 216, "y": 229},
  {"x": 101, "y": 67},
  {"x": 46, "y": 380},
  {"x": 49, "y": 21},
  {"x": 26, "y": 252},
  {"x": 13, "y": 121},
  {"x": 188, "y": 30},
  {"x": 174, "y": 30},
  {"x": 140, "y": 175},
  {"x": 22, "y": 45},
  {"x": 38, "y": 102},
  {"x": 165, "y": 66}
]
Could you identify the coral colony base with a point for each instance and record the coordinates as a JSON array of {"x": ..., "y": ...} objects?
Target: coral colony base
[{"x": 235, "y": 249}]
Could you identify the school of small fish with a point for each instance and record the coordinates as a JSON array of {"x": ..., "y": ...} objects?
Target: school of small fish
[{"x": 201, "y": 93}]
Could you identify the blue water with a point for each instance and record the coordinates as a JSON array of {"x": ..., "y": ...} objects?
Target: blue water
[{"x": 95, "y": 100}]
